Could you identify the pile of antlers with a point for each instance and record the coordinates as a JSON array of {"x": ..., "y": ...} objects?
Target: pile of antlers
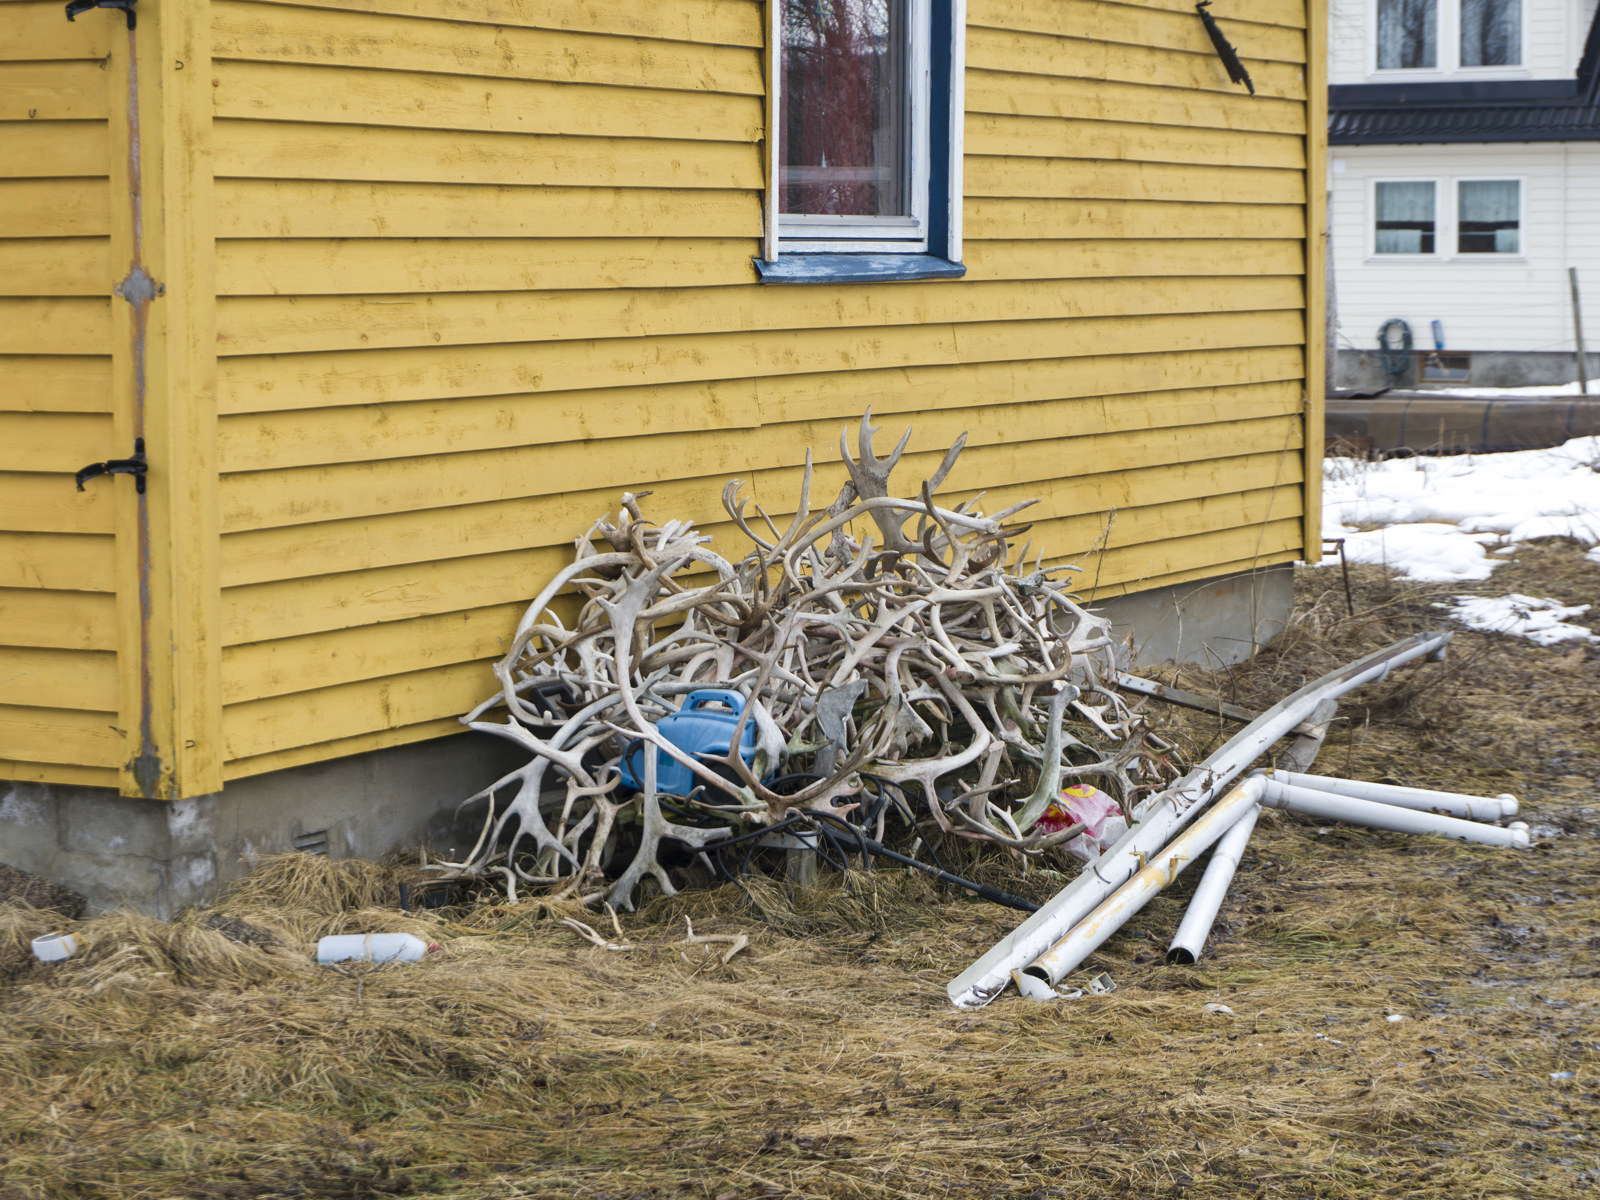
[{"x": 931, "y": 662}]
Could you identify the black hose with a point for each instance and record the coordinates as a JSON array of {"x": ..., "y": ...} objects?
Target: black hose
[
  {"x": 994, "y": 895},
  {"x": 983, "y": 890},
  {"x": 1394, "y": 359}
]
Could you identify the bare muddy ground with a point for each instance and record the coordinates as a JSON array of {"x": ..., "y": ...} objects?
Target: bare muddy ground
[{"x": 186, "y": 1060}]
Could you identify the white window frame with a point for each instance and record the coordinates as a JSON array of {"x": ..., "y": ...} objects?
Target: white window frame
[
  {"x": 1520, "y": 254},
  {"x": 1446, "y": 219},
  {"x": 1447, "y": 26},
  {"x": 791, "y": 233},
  {"x": 1439, "y": 223}
]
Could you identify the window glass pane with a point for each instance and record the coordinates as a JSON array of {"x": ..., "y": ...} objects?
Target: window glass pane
[
  {"x": 1407, "y": 33},
  {"x": 842, "y": 128},
  {"x": 1404, "y": 218},
  {"x": 1486, "y": 217},
  {"x": 1491, "y": 33}
]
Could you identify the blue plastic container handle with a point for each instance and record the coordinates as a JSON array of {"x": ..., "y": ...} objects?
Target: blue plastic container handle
[{"x": 714, "y": 695}]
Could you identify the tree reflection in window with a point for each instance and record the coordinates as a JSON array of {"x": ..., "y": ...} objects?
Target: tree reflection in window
[
  {"x": 1407, "y": 34},
  {"x": 1491, "y": 33},
  {"x": 842, "y": 124}
]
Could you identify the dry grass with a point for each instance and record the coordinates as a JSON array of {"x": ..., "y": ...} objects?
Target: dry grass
[{"x": 207, "y": 1058}]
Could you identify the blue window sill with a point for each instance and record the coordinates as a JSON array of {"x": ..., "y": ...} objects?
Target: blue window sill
[{"x": 856, "y": 268}]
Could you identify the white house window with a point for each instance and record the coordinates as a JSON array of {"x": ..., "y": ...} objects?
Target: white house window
[
  {"x": 864, "y": 163},
  {"x": 1488, "y": 216},
  {"x": 1405, "y": 217},
  {"x": 1447, "y": 35},
  {"x": 1491, "y": 33},
  {"x": 1408, "y": 34}
]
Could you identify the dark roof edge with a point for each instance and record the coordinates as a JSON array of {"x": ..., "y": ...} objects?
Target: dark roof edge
[
  {"x": 1469, "y": 137},
  {"x": 1453, "y": 94},
  {"x": 1589, "y": 64}
]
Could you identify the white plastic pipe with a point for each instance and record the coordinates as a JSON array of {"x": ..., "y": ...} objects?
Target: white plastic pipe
[
  {"x": 371, "y": 947},
  {"x": 1196, "y": 925},
  {"x": 1092, "y": 932},
  {"x": 1471, "y": 808},
  {"x": 1329, "y": 807},
  {"x": 1163, "y": 815}
]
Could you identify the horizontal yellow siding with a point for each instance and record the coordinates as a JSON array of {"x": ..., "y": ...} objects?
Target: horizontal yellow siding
[
  {"x": 483, "y": 264},
  {"x": 37, "y": 31},
  {"x": 319, "y": 208},
  {"x": 1030, "y": 54},
  {"x": 68, "y": 562},
  {"x": 1173, "y": 424},
  {"x": 70, "y": 737},
  {"x": 309, "y": 437},
  {"x": 52, "y": 91},
  {"x": 55, "y": 208},
  {"x": 281, "y": 325},
  {"x": 319, "y": 380},
  {"x": 703, "y": 22},
  {"x": 1000, "y": 91},
  {"x": 58, "y": 614},
  {"x": 1147, "y": 25},
  {"x": 281, "y": 33},
  {"x": 68, "y": 773},
  {"x": 418, "y": 100},
  {"x": 50, "y": 678},
  {"x": 55, "y": 266},
  {"x": 58, "y": 607},
  {"x": 34, "y": 441}
]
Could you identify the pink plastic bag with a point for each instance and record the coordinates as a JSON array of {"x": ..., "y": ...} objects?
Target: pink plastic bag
[{"x": 1102, "y": 818}]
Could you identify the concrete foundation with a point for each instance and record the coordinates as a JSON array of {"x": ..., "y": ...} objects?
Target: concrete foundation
[
  {"x": 160, "y": 857},
  {"x": 1213, "y": 622},
  {"x": 1362, "y": 371}
]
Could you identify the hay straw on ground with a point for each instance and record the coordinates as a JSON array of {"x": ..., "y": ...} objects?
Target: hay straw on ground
[{"x": 524, "y": 1062}]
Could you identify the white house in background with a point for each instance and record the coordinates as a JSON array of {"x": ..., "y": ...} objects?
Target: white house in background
[{"x": 1464, "y": 177}]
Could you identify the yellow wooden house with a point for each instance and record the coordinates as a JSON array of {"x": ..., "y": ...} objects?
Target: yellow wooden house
[{"x": 398, "y": 295}]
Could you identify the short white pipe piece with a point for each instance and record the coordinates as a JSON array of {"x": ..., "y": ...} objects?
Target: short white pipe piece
[
  {"x": 1470, "y": 808},
  {"x": 1092, "y": 932},
  {"x": 55, "y": 947},
  {"x": 1162, "y": 815},
  {"x": 1329, "y": 807},
  {"x": 1196, "y": 925}
]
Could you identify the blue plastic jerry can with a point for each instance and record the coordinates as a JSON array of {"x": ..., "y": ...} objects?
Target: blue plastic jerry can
[{"x": 702, "y": 728}]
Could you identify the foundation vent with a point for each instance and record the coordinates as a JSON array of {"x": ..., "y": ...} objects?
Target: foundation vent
[{"x": 313, "y": 842}]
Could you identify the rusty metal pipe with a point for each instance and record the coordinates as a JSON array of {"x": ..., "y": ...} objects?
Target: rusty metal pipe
[
  {"x": 1201, "y": 915},
  {"x": 1164, "y": 814},
  {"x": 1094, "y": 930},
  {"x": 1470, "y": 808},
  {"x": 1328, "y": 807}
]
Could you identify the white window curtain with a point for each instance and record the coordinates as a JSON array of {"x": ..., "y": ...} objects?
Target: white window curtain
[
  {"x": 1491, "y": 33},
  {"x": 1408, "y": 34},
  {"x": 1487, "y": 213},
  {"x": 1404, "y": 218}
]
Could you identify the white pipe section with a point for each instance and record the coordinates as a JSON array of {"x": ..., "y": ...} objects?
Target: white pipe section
[
  {"x": 1163, "y": 815},
  {"x": 1196, "y": 925},
  {"x": 1092, "y": 932},
  {"x": 1329, "y": 807},
  {"x": 1471, "y": 808}
]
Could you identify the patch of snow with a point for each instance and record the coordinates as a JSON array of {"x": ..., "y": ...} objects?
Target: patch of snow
[
  {"x": 1432, "y": 552},
  {"x": 1480, "y": 393},
  {"x": 1435, "y": 518},
  {"x": 1538, "y": 619}
]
